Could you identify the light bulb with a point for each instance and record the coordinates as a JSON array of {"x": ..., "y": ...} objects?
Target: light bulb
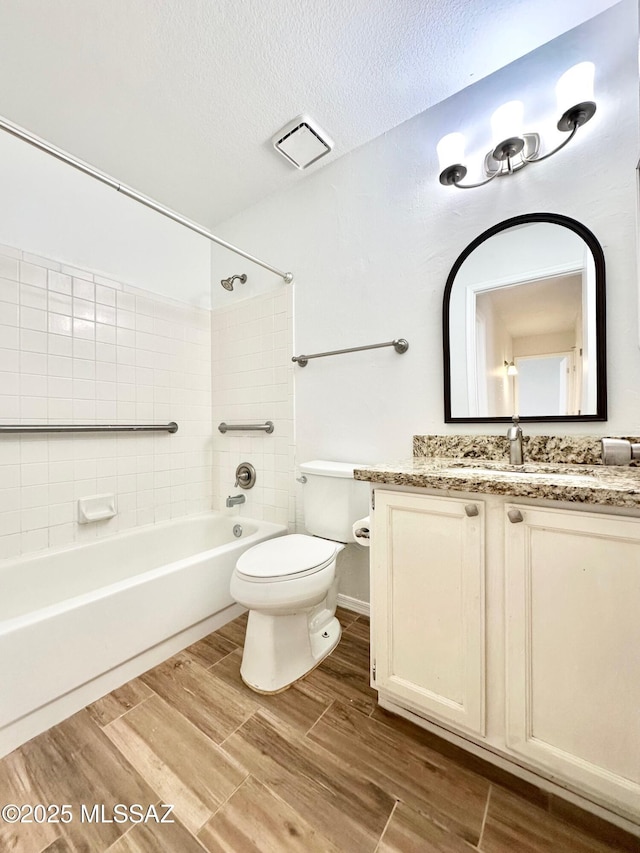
[
  {"x": 575, "y": 86},
  {"x": 450, "y": 150},
  {"x": 507, "y": 121}
]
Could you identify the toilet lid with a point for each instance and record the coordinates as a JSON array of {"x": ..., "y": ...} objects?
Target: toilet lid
[{"x": 285, "y": 556}]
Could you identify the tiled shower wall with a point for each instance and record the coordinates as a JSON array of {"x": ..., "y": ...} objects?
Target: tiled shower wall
[
  {"x": 78, "y": 348},
  {"x": 252, "y": 382}
]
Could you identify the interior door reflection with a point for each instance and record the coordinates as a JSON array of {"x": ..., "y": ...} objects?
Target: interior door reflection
[{"x": 545, "y": 383}]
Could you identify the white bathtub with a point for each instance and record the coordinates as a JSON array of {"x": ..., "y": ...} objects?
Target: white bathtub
[{"x": 78, "y": 622}]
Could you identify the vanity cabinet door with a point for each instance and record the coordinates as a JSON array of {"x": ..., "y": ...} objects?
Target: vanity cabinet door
[
  {"x": 573, "y": 648},
  {"x": 428, "y": 606}
]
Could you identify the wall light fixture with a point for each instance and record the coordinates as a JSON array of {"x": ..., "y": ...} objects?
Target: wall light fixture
[
  {"x": 511, "y": 369},
  {"x": 513, "y": 149}
]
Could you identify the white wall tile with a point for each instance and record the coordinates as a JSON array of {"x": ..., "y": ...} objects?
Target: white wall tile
[
  {"x": 250, "y": 381},
  {"x": 63, "y": 358},
  {"x": 59, "y": 282},
  {"x": 32, "y": 274},
  {"x": 8, "y": 289}
]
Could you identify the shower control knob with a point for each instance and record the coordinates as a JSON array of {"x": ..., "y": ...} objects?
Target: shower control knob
[{"x": 245, "y": 475}]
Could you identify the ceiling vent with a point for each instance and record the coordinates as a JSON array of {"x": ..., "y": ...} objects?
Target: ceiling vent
[{"x": 302, "y": 142}]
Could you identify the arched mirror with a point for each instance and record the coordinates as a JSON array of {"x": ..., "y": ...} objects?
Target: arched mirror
[{"x": 524, "y": 324}]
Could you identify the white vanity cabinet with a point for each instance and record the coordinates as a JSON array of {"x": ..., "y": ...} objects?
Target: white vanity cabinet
[
  {"x": 429, "y": 605},
  {"x": 572, "y": 597},
  {"x": 533, "y": 663}
]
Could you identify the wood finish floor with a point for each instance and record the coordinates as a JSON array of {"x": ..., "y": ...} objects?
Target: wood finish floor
[{"x": 316, "y": 769}]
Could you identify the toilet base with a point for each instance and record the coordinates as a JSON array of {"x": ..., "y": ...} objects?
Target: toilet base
[{"x": 280, "y": 650}]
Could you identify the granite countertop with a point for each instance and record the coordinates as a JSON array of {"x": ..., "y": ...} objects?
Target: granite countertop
[{"x": 577, "y": 483}]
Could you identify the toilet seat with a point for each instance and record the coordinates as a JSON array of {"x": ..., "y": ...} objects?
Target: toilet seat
[{"x": 286, "y": 557}]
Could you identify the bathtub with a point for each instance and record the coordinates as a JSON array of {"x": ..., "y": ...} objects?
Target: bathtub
[{"x": 75, "y": 623}]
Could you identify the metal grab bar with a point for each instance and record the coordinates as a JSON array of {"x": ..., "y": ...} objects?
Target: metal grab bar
[
  {"x": 400, "y": 344},
  {"x": 266, "y": 427},
  {"x": 37, "y": 428}
]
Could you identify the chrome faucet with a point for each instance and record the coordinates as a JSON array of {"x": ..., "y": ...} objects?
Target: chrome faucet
[
  {"x": 235, "y": 500},
  {"x": 514, "y": 434}
]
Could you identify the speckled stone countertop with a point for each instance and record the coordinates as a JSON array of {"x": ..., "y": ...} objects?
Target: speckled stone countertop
[
  {"x": 564, "y": 449},
  {"x": 553, "y": 479}
]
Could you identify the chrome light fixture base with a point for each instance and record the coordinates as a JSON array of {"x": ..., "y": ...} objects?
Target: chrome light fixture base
[
  {"x": 517, "y": 151},
  {"x": 508, "y": 148},
  {"x": 453, "y": 174},
  {"x": 577, "y": 116}
]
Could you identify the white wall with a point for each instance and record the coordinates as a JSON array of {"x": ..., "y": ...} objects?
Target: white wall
[
  {"x": 371, "y": 239},
  {"x": 48, "y": 208}
]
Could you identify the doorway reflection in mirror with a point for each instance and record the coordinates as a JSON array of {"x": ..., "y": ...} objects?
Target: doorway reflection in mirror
[{"x": 522, "y": 326}]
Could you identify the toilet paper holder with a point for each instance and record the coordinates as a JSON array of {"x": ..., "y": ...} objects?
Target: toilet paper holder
[{"x": 361, "y": 531}]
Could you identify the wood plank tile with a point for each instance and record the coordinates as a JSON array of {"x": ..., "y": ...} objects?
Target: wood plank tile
[
  {"x": 326, "y": 792},
  {"x": 462, "y": 758},
  {"x": 74, "y": 763},
  {"x": 593, "y": 825},
  {"x": 300, "y": 708},
  {"x": 59, "y": 846},
  {"x": 210, "y": 649},
  {"x": 155, "y": 837},
  {"x": 353, "y": 651},
  {"x": 345, "y": 617},
  {"x": 514, "y": 824},
  {"x": 405, "y": 770},
  {"x": 207, "y": 701},
  {"x": 18, "y": 785},
  {"x": 254, "y": 820},
  {"x": 118, "y": 702},
  {"x": 183, "y": 765},
  {"x": 235, "y": 630},
  {"x": 334, "y": 679},
  {"x": 360, "y": 628},
  {"x": 409, "y": 831}
]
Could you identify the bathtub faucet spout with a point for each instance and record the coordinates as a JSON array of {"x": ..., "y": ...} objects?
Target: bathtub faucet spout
[{"x": 236, "y": 499}]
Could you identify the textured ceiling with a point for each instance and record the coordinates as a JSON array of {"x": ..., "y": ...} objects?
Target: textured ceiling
[{"x": 179, "y": 98}]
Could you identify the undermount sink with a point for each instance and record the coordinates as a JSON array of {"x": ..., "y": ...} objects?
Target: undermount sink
[
  {"x": 522, "y": 474},
  {"x": 580, "y": 475}
]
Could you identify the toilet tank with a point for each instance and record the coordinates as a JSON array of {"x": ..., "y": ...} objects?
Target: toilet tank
[{"x": 333, "y": 500}]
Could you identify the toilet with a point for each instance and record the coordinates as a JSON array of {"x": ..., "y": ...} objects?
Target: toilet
[{"x": 289, "y": 584}]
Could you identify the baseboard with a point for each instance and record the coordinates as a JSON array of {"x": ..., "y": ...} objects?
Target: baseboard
[{"x": 355, "y": 604}]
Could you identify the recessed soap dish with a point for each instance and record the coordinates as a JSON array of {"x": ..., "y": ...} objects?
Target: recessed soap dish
[{"x": 96, "y": 508}]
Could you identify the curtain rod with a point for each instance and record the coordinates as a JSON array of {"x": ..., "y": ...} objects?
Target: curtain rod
[{"x": 25, "y": 136}]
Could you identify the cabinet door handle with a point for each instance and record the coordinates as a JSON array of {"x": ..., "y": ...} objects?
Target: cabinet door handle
[
  {"x": 515, "y": 516},
  {"x": 471, "y": 510}
]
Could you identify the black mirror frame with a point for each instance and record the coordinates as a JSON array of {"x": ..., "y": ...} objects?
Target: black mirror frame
[{"x": 601, "y": 330}]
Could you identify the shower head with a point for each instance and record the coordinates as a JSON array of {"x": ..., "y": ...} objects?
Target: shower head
[{"x": 227, "y": 283}]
